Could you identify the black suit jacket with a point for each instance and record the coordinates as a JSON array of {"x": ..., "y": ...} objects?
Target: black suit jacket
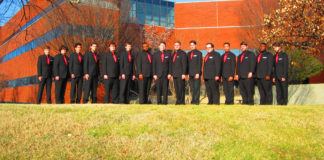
[
  {"x": 75, "y": 66},
  {"x": 194, "y": 64},
  {"x": 161, "y": 69},
  {"x": 265, "y": 67},
  {"x": 212, "y": 67},
  {"x": 109, "y": 66},
  {"x": 281, "y": 68},
  {"x": 126, "y": 67},
  {"x": 44, "y": 69},
  {"x": 60, "y": 68},
  {"x": 179, "y": 66},
  {"x": 247, "y": 65},
  {"x": 143, "y": 64},
  {"x": 90, "y": 66},
  {"x": 228, "y": 68}
]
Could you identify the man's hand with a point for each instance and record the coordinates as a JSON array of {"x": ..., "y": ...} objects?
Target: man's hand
[
  {"x": 140, "y": 76},
  {"x": 250, "y": 75},
  {"x": 236, "y": 77},
  {"x": 123, "y": 76},
  {"x": 197, "y": 76},
  {"x": 230, "y": 79},
  {"x": 133, "y": 77},
  {"x": 169, "y": 76},
  {"x": 119, "y": 77},
  {"x": 86, "y": 76},
  {"x": 283, "y": 79},
  {"x": 72, "y": 76},
  {"x": 216, "y": 78},
  {"x": 40, "y": 78},
  {"x": 155, "y": 77},
  {"x": 183, "y": 77},
  {"x": 273, "y": 80},
  {"x": 105, "y": 76},
  {"x": 57, "y": 78},
  {"x": 267, "y": 78}
]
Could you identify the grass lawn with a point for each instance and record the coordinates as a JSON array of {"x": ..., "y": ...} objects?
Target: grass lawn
[{"x": 161, "y": 132}]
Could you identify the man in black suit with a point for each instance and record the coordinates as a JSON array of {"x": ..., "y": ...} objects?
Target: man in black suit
[
  {"x": 161, "y": 73},
  {"x": 178, "y": 72},
  {"x": 263, "y": 73},
  {"x": 281, "y": 74},
  {"x": 110, "y": 71},
  {"x": 61, "y": 74},
  {"x": 228, "y": 72},
  {"x": 76, "y": 71},
  {"x": 194, "y": 71},
  {"x": 144, "y": 70},
  {"x": 211, "y": 73},
  {"x": 245, "y": 70},
  {"x": 91, "y": 71},
  {"x": 126, "y": 64},
  {"x": 44, "y": 70}
]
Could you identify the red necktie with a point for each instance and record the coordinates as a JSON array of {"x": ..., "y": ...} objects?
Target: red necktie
[
  {"x": 66, "y": 63},
  {"x": 114, "y": 56},
  {"x": 175, "y": 56},
  {"x": 259, "y": 58},
  {"x": 162, "y": 56},
  {"x": 206, "y": 58},
  {"x": 129, "y": 57},
  {"x": 242, "y": 57},
  {"x": 48, "y": 60},
  {"x": 225, "y": 57},
  {"x": 79, "y": 56},
  {"x": 277, "y": 57},
  {"x": 95, "y": 57},
  {"x": 191, "y": 55},
  {"x": 149, "y": 57}
]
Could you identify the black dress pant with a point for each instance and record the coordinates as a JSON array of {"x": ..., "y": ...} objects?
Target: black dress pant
[
  {"x": 124, "y": 90},
  {"x": 60, "y": 87},
  {"x": 162, "y": 87},
  {"x": 282, "y": 92},
  {"x": 91, "y": 86},
  {"x": 179, "y": 86},
  {"x": 194, "y": 89},
  {"x": 265, "y": 91},
  {"x": 144, "y": 87},
  {"x": 246, "y": 86},
  {"x": 110, "y": 84},
  {"x": 228, "y": 88},
  {"x": 42, "y": 83},
  {"x": 76, "y": 88},
  {"x": 212, "y": 89}
]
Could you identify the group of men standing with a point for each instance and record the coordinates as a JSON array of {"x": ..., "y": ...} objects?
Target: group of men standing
[{"x": 118, "y": 69}]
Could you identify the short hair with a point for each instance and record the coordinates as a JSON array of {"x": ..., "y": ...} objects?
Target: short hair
[
  {"x": 227, "y": 43},
  {"x": 244, "y": 43},
  {"x": 144, "y": 43},
  {"x": 77, "y": 44},
  {"x": 94, "y": 43},
  {"x": 177, "y": 42},
  {"x": 47, "y": 47},
  {"x": 276, "y": 44},
  {"x": 163, "y": 43},
  {"x": 193, "y": 41},
  {"x": 128, "y": 43},
  {"x": 63, "y": 47},
  {"x": 263, "y": 43},
  {"x": 112, "y": 44},
  {"x": 211, "y": 44}
]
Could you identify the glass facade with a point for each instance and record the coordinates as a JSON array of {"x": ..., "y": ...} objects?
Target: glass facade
[{"x": 157, "y": 12}]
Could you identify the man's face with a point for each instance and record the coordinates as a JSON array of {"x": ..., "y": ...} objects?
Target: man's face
[
  {"x": 226, "y": 47},
  {"x": 145, "y": 47},
  {"x": 162, "y": 47},
  {"x": 276, "y": 49},
  {"x": 112, "y": 48},
  {"x": 262, "y": 47},
  {"x": 46, "y": 51},
  {"x": 209, "y": 48},
  {"x": 93, "y": 47},
  {"x": 128, "y": 47},
  {"x": 244, "y": 47},
  {"x": 177, "y": 46},
  {"x": 192, "y": 46},
  {"x": 78, "y": 49}
]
